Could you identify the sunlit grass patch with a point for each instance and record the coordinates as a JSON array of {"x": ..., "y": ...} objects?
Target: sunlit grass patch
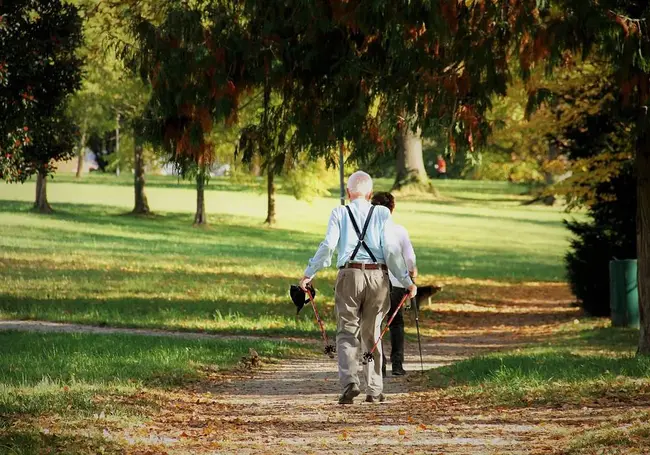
[{"x": 570, "y": 370}]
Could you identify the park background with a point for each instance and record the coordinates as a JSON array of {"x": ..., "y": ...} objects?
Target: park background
[{"x": 152, "y": 227}]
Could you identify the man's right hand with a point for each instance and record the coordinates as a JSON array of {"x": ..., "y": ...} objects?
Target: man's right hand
[
  {"x": 304, "y": 282},
  {"x": 413, "y": 291}
]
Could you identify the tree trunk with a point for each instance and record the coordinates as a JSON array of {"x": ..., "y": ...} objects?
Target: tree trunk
[
  {"x": 268, "y": 151},
  {"x": 117, "y": 142},
  {"x": 255, "y": 167},
  {"x": 41, "y": 205},
  {"x": 643, "y": 239},
  {"x": 82, "y": 151},
  {"x": 270, "y": 213},
  {"x": 410, "y": 162},
  {"x": 200, "y": 217},
  {"x": 141, "y": 204},
  {"x": 549, "y": 178}
]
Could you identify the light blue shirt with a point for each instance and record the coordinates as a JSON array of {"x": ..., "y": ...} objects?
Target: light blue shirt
[{"x": 380, "y": 238}]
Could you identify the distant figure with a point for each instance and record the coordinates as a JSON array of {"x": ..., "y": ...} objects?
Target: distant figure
[{"x": 441, "y": 167}]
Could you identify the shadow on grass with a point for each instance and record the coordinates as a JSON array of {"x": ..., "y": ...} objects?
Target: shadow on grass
[
  {"x": 605, "y": 338},
  {"x": 244, "y": 238},
  {"x": 197, "y": 315}
]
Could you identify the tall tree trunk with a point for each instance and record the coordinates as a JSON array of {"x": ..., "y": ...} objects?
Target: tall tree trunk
[
  {"x": 41, "y": 205},
  {"x": 200, "y": 217},
  {"x": 141, "y": 204},
  {"x": 410, "y": 162},
  {"x": 82, "y": 150},
  {"x": 268, "y": 151},
  {"x": 643, "y": 238},
  {"x": 270, "y": 213}
]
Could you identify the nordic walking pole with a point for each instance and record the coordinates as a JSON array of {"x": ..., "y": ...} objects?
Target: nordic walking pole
[
  {"x": 367, "y": 356},
  {"x": 417, "y": 326},
  {"x": 329, "y": 348}
]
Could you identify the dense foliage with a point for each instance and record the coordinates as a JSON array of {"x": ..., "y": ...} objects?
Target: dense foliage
[
  {"x": 611, "y": 234},
  {"x": 38, "y": 70}
]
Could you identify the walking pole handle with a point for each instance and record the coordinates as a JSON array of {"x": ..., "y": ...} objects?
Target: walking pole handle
[{"x": 329, "y": 349}]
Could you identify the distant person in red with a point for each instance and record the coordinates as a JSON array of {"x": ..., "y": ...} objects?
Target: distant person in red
[{"x": 441, "y": 167}]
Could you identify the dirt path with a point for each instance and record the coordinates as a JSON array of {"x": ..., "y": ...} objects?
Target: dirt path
[{"x": 290, "y": 407}]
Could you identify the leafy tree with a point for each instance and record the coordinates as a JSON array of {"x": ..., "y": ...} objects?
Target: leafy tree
[
  {"x": 39, "y": 68},
  {"x": 91, "y": 109},
  {"x": 194, "y": 62},
  {"x": 112, "y": 98},
  {"x": 530, "y": 146},
  {"x": 615, "y": 32}
]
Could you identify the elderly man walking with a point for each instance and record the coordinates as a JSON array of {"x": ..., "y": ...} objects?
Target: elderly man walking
[{"x": 367, "y": 248}]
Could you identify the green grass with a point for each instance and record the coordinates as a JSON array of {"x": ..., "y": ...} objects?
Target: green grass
[
  {"x": 89, "y": 263},
  {"x": 48, "y": 371},
  {"x": 576, "y": 368}
]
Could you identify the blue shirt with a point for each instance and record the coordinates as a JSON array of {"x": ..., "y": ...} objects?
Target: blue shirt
[{"x": 380, "y": 238}]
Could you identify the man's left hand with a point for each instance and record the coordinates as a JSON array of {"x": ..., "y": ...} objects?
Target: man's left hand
[{"x": 304, "y": 282}]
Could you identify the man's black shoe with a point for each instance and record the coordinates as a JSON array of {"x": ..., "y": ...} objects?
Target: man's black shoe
[
  {"x": 378, "y": 399},
  {"x": 398, "y": 370},
  {"x": 351, "y": 391}
]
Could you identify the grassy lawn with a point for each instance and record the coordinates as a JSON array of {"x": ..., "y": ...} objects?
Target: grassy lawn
[{"x": 89, "y": 263}]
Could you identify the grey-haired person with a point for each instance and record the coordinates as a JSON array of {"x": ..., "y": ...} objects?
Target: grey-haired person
[{"x": 367, "y": 248}]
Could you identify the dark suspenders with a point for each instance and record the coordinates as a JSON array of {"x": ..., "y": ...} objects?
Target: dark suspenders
[{"x": 361, "y": 234}]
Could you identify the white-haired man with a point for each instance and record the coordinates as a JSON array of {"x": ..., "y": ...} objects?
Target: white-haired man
[{"x": 367, "y": 249}]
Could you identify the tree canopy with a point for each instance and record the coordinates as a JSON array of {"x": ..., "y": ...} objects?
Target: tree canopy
[{"x": 39, "y": 68}]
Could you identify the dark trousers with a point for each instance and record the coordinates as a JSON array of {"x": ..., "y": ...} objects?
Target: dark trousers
[{"x": 396, "y": 327}]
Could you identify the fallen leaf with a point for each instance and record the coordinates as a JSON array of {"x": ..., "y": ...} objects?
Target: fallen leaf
[{"x": 402, "y": 431}]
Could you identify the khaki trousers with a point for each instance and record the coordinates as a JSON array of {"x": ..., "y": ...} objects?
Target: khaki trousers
[{"x": 362, "y": 299}]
